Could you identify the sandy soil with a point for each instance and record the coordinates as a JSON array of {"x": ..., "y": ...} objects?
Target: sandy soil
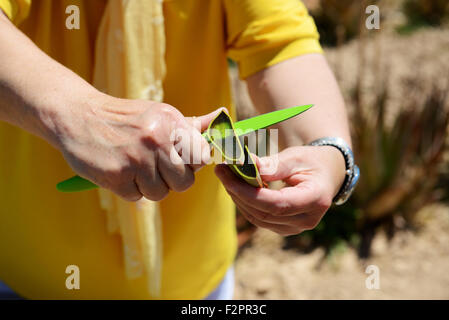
[{"x": 414, "y": 264}]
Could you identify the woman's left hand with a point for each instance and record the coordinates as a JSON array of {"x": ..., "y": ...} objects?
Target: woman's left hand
[{"x": 313, "y": 176}]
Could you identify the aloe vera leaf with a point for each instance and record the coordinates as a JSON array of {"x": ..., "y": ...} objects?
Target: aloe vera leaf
[{"x": 221, "y": 133}]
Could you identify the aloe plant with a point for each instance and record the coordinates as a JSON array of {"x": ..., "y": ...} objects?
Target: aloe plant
[
  {"x": 337, "y": 20},
  {"x": 426, "y": 12}
]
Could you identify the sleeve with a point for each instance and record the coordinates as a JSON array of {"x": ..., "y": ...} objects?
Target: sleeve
[
  {"x": 261, "y": 33},
  {"x": 16, "y": 10}
]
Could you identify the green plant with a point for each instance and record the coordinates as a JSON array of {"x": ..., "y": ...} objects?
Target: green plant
[
  {"x": 426, "y": 12},
  {"x": 336, "y": 20}
]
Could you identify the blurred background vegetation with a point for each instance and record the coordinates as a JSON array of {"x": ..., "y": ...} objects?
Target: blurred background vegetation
[
  {"x": 399, "y": 125},
  {"x": 339, "y": 20}
]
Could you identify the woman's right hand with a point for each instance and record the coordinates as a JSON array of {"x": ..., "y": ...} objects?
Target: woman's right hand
[{"x": 128, "y": 146}]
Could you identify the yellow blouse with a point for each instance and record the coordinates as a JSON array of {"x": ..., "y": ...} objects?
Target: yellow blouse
[{"x": 43, "y": 231}]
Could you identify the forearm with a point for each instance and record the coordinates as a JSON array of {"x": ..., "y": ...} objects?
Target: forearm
[
  {"x": 34, "y": 88},
  {"x": 302, "y": 80}
]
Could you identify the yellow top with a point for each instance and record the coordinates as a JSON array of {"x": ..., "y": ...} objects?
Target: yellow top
[{"x": 43, "y": 231}]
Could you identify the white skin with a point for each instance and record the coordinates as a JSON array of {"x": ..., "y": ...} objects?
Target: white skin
[
  {"x": 313, "y": 174},
  {"x": 124, "y": 145}
]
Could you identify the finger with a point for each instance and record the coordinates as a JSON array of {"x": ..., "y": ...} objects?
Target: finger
[
  {"x": 121, "y": 183},
  {"x": 286, "y": 201},
  {"x": 303, "y": 221},
  {"x": 177, "y": 175},
  {"x": 258, "y": 215},
  {"x": 280, "y": 229},
  {"x": 190, "y": 147},
  {"x": 201, "y": 123},
  {"x": 280, "y": 166},
  {"x": 200, "y": 151},
  {"x": 151, "y": 184},
  {"x": 127, "y": 191},
  {"x": 201, "y": 148}
]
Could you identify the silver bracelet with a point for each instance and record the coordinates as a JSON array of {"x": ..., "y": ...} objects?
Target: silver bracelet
[{"x": 352, "y": 171}]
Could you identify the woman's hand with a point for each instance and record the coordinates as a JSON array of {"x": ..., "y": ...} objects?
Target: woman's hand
[
  {"x": 128, "y": 146},
  {"x": 313, "y": 175}
]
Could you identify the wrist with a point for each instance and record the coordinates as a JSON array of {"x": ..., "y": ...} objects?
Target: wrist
[
  {"x": 64, "y": 110},
  {"x": 337, "y": 167},
  {"x": 37, "y": 94},
  {"x": 351, "y": 170}
]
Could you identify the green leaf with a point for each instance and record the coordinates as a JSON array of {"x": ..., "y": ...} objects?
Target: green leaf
[{"x": 221, "y": 133}]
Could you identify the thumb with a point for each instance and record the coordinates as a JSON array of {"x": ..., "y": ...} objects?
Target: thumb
[
  {"x": 202, "y": 122},
  {"x": 277, "y": 167}
]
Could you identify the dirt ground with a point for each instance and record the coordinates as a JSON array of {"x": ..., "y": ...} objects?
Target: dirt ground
[{"x": 413, "y": 265}]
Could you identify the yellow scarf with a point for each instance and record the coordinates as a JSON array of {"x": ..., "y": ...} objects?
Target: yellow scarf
[{"x": 129, "y": 63}]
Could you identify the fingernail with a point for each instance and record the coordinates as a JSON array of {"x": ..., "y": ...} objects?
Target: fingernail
[{"x": 223, "y": 109}]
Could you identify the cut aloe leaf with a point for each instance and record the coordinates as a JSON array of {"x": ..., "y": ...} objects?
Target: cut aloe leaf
[
  {"x": 75, "y": 184},
  {"x": 221, "y": 133},
  {"x": 248, "y": 171}
]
